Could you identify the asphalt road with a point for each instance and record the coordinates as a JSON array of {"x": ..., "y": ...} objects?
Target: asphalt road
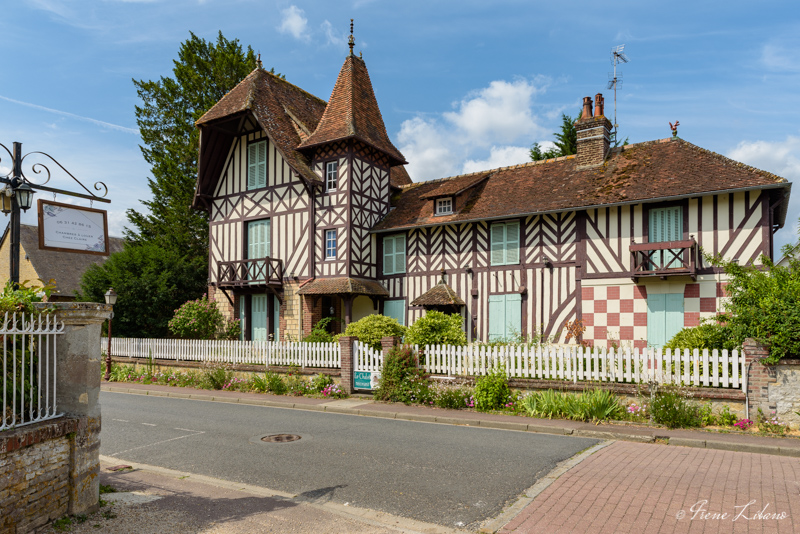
[{"x": 449, "y": 475}]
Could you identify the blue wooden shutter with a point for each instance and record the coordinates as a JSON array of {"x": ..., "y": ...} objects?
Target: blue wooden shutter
[
  {"x": 656, "y": 320},
  {"x": 276, "y": 317},
  {"x": 498, "y": 243},
  {"x": 258, "y": 317},
  {"x": 497, "y": 317},
  {"x": 666, "y": 224},
  {"x": 395, "y": 309},
  {"x": 674, "y": 315},
  {"x": 513, "y": 315},
  {"x": 512, "y": 243},
  {"x": 258, "y": 247},
  {"x": 388, "y": 255},
  {"x": 400, "y": 254},
  {"x": 252, "y": 165},
  {"x": 242, "y": 316}
]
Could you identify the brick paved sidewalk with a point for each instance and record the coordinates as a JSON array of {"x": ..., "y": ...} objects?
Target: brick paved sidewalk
[{"x": 643, "y": 488}]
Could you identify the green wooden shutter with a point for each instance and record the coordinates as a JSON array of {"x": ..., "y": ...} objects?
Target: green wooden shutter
[
  {"x": 673, "y": 321},
  {"x": 242, "y": 313},
  {"x": 400, "y": 254},
  {"x": 512, "y": 243},
  {"x": 258, "y": 246},
  {"x": 388, "y": 255},
  {"x": 262, "y": 164},
  {"x": 656, "y": 320},
  {"x": 395, "y": 309},
  {"x": 276, "y": 317},
  {"x": 497, "y": 317},
  {"x": 252, "y": 165},
  {"x": 258, "y": 317},
  {"x": 498, "y": 244},
  {"x": 666, "y": 224},
  {"x": 513, "y": 324}
]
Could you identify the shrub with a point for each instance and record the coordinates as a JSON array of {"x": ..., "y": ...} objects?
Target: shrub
[
  {"x": 765, "y": 304},
  {"x": 296, "y": 384},
  {"x": 401, "y": 380},
  {"x": 707, "y": 417},
  {"x": 452, "y": 396},
  {"x": 709, "y": 335},
  {"x": 275, "y": 384},
  {"x": 492, "y": 391},
  {"x": 319, "y": 333},
  {"x": 197, "y": 319},
  {"x": 232, "y": 330},
  {"x": 593, "y": 405},
  {"x": 597, "y": 405},
  {"x": 215, "y": 375},
  {"x": 726, "y": 417},
  {"x": 372, "y": 328},
  {"x": 671, "y": 409},
  {"x": 437, "y": 328},
  {"x": 320, "y": 382}
]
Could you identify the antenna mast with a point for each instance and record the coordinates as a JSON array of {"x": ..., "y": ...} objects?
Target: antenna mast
[{"x": 615, "y": 79}]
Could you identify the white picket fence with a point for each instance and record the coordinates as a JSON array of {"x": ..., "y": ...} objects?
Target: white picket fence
[
  {"x": 325, "y": 355},
  {"x": 690, "y": 368},
  {"x": 365, "y": 358}
]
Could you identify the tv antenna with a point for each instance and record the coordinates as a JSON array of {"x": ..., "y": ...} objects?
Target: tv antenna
[{"x": 615, "y": 79}]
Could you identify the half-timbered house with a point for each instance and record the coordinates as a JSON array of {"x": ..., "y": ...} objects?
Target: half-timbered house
[{"x": 312, "y": 215}]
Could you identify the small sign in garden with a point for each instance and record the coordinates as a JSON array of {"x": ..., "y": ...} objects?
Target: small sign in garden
[{"x": 366, "y": 379}]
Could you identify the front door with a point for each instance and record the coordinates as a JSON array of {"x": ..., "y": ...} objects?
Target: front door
[{"x": 258, "y": 317}]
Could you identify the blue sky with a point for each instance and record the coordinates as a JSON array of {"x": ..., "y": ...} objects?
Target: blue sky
[{"x": 462, "y": 85}]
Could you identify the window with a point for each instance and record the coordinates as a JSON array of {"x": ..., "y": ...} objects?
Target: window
[
  {"x": 444, "y": 206},
  {"x": 395, "y": 309},
  {"x": 330, "y": 244},
  {"x": 394, "y": 254},
  {"x": 331, "y": 175},
  {"x": 664, "y": 317},
  {"x": 666, "y": 224},
  {"x": 505, "y": 316},
  {"x": 257, "y": 165},
  {"x": 505, "y": 243}
]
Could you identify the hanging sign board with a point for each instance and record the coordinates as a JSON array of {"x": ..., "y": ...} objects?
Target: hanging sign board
[{"x": 67, "y": 228}]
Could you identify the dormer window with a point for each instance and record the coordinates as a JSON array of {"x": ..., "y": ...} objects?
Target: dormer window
[
  {"x": 331, "y": 175},
  {"x": 444, "y": 206}
]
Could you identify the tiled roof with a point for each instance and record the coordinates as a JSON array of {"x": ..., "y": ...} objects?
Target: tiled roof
[
  {"x": 638, "y": 172},
  {"x": 66, "y": 268},
  {"x": 288, "y": 114},
  {"x": 283, "y": 110},
  {"x": 455, "y": 187},
  {"x": 439, "y": 295},
  {"x": 343, "y": 286},
  {"x": 353, "y": 112}
]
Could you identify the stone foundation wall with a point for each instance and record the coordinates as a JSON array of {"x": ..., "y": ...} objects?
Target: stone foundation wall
[
  {"x": 36, "y": 467},
  {"x": 289, "y": 316}
]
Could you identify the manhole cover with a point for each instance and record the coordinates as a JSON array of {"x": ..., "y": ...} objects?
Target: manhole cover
[{"x": 280, "y": 438}]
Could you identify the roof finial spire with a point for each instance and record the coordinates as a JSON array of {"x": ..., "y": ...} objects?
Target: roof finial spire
[
  {"x": 258, "y": 61},
  {"x": 351, "y": 41}
]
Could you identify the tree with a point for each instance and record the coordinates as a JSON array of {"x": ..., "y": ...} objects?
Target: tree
[
  {"x": 203, "y": 73},
  {"x": 566, "y": 142},
  {"x": 151, "y": 282}
]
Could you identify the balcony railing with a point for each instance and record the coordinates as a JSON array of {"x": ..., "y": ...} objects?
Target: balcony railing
[
  {"x": 670, "y": 258},
  {"x": 246, "y": 273}
]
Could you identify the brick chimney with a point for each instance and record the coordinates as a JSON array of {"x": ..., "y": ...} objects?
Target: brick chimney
[{"x": 594, "y": 133}]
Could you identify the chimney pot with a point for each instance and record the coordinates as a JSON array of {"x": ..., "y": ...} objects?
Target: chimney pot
[
  {"x": 599, "y": 104},
  {"x": 587, "y": 108}
]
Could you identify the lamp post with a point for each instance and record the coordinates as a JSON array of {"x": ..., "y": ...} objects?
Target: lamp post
[
  {"x": 16, "y": 195},
  {"x": 111, "y": 298}
]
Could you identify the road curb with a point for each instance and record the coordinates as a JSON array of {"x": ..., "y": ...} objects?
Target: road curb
[{"x": 480, "y": 423}]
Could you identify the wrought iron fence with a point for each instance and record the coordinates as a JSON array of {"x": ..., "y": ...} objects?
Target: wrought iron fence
[{"x": 29, "y": 368}]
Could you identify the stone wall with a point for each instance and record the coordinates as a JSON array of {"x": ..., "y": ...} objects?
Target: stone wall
[
  {"x": 34, "y": 470},
  {"x": 772, "y": 388},
  {"x": 50, "y": 469}
]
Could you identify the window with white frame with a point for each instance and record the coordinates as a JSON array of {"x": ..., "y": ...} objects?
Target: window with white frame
[
  {"x": 331, "y": 175},
  {"x": 257, "y": 165},
  {"x": 394, "y": 254},
  {"x": 330, "y": 244},
  {"x": 444, "y": 206},
  {"x": 505, "y": 243}
]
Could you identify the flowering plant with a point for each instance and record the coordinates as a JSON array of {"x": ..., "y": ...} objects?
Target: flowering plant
[
  {"x": 771, "y": 424},
  {"x": 637, "y": 410},
  {"x": 743, "y": 424}
]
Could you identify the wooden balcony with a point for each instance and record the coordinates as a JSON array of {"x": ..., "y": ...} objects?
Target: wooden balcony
[
  {"x": 670, "y": 258},
  {"x": 250, "y": 273}
]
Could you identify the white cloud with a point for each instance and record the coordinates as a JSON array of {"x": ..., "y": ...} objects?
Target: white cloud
[
  {"x": 781, "y": 57},
  {"x": 783, "y": 159},
  {"x": 333, "y": 38},
  {"x": 499, "y": 156},
  {"x": 74, "y": 116},
  {"x": 294, "y": 23},
  {"x": 485, "y": 129}
]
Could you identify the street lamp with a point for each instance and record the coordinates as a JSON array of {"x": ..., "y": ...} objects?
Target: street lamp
[
  {"x": 24, "y": 195},
  {"x": 111, "y": 298}
]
